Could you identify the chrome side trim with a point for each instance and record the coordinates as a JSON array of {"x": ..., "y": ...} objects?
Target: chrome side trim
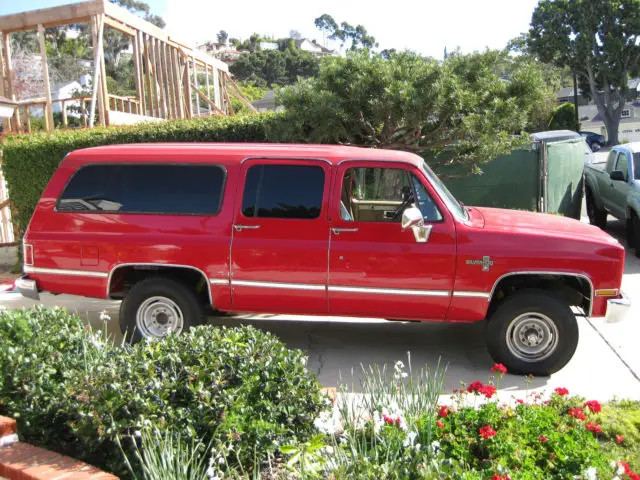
[
  {"x": 286, "y": 157},
  {"x": 170, "y": 265},
  {"x": 61, "y": 271},
  {"x": 285, "y": 286},
  {"x": 390, "y": 291},
  {"x": 461, "y": 293},
  {"x": 219, "y": 281},
  {"x": 581, "y": 276}
]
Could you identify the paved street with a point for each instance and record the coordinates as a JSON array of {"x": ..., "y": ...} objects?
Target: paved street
[{"x": 606, "y": 364}]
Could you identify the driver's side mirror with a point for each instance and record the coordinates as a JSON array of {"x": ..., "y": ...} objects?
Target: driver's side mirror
[
  {"x": 412, "y": 218},
  {"x": 617, "y": 176}
]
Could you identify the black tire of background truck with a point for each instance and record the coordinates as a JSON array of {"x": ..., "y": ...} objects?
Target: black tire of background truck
[
  {"x": 543, "y": 306},
  {"x": 597, "y": 216},
  {"x": 596, "y": 146},
  {"x": 190, "y": 306},
  {"x": 635, "y": 234}
]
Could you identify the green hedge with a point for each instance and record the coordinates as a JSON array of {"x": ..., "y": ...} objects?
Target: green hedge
[
  {"x": 239, "y": 389},
  {"x": 30, "y": 160}
]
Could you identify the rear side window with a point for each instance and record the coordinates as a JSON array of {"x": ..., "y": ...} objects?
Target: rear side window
[
  {"x": 167, "y": 189},
  {"x": 283, "y": 191}
]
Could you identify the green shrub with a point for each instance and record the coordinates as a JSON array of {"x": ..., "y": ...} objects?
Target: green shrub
[
  {"x": 29, "y": 161},
  {"x": 239, "y": 389},
  {"x": 564, "y": 118}
]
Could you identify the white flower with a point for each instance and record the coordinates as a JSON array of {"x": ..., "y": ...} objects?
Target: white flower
[
  {"x": 620, "y": 469},
  {"x": 591, "y": 473},
  {"x": 378, "y": 422},
  {"x": 327, "y": 422},
  {"x": 104, "y": 316},
  {"x": 411, "y": 437}
]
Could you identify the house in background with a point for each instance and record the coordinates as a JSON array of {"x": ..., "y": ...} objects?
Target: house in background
[{"x": 313, "y": 47}]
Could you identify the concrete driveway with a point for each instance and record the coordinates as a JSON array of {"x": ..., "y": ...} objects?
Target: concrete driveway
[{"x": 606, "y": 363}]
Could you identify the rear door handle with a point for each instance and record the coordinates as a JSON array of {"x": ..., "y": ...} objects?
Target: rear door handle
[
  {"x": 337, "y": 231},
  {"x": 239, "y": 228}
]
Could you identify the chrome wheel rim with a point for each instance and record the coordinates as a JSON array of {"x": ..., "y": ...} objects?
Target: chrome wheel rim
[
  {"x": 532, "y": 337},
  {"x": 158, "y": 316}
]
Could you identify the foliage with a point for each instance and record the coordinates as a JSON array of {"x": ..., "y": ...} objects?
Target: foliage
[
  {"x": 597, "y": 38},
  {"x": 474, "y": 436},
  {"x": 275, "y": 67},
  {"x": 621, "y": 430},
  {"x": 564, "y": 118},
  {"x": 30, "y": 160},
  {"x": 411, "y": 103},
  {"x": 222, "y": 36},
  {"x": 358, "y": 35},
  {"x": 239, "y": 390}
]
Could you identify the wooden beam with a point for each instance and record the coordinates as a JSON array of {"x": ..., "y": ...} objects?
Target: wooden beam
[
  {"x": 147, "y": 64},
  {"x": 186, "y": 82},
  {"x": 160, "y": 78},
  {"x": 115, "y": 24},
  {"x": 5, "y": 121},
  {"x": 154, "y": 70},
  {"x": 167, "y": 80},
  {"x": 217, "y": 98},
  {"x": 48, "y": 17},
  {"x": 206, "y": 70},
  {"x": 83, "y": 108},
  {"x": 64, "y": 114},
  {"x": 96, "y": 96},
  {"x": 238, "y": 94},
  {"x": 177, "y": 84},
  {"x": 226, "y": 96},
  {"x": 45, "y": 76},
  {"x": 208, "y": 100},
  {"x": 11, "y": 93},
  {"x": 137, "y": 77},
  {"x": 27, "y": 113},
  {"x": 195, "y": 81}
]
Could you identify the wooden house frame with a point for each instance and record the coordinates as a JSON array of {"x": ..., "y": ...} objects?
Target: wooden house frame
[{"x": 166, "y": 71}]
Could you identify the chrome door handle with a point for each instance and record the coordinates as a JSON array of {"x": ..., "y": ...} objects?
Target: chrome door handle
[
  {"x": 338, "y": 230},
  {"x": 239, "y": 228}
]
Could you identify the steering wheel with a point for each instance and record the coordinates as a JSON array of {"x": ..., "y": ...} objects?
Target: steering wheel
[{"x": 407, "y": 199}]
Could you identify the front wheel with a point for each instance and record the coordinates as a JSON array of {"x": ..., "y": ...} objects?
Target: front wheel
[
  {"x": 597, "y": 216},
  {"x": 532, "y": 332},
  {"x": 157, "y": 306},
  {"x": 633, "y": 233}
]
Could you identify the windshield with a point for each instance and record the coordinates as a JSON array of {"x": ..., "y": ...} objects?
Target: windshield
[{"x": 452, "y": 204}]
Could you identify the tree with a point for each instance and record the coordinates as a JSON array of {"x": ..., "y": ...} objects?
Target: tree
[
  {"x": 222, "y": 36},
  {"x": 274, "y": 67},
  {"x": 564, "y": 118},
  {"x": 358, "y": 35},
  {"x": 599, "y": 40},
  {"x": 296, "y": 35},
  {"x": 412, "y": 103}
]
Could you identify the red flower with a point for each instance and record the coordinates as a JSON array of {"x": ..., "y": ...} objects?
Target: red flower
[
  {"x": 498, "y": 367},
  {"x": 439, "y": 424},
  {"x": 634, "y": 476},
  {"x": 592, "y": 427},
  {"x": 520, "y": 401},
  {"x": 487, "y": 432},
  {"x": 594, "y": 406},
  {"x": 500, "y": 477},
  {"x": 627, "y": 468},
  {"x": 543, "y": 439},
  {"x": 619, "y": 438},
  {"x": 474, "y": 387},
  {"x": 388, "y": 420},
  {"x": 487, "y": 390},
  {"x": 444, "y": 411},
  {"x": 577, "y": 413},
  {"x": 561, "y": 391}
]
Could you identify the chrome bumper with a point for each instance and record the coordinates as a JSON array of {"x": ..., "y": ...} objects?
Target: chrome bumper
[
  {"x": 617, "y": 308},
  {"x": 28, "y": 288}
]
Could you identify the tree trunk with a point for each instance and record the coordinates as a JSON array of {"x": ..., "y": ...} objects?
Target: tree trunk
[
  {"x": 610, "y": 103},
  {"x": 612, "y": 130}
]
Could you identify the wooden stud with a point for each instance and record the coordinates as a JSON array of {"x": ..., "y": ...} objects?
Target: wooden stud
[
  {"x": 96, "y": 97},
  {"x": 83, "y": 107},
  {"x": 9, "y": 74},
  {"x": 206, "y": 76},
  {"x": 177, "y": 85},
  {"x": 147, "y": 63},
  {"x": 27, "y": 113},
  {"x": 45, "y": 76},
  {"x": 217, "y": 98},
  {"x": 171, "y": 108},
  {"x": 6, "y": 124},
  {"x": 207, "y": 100},
  {"x": 136, "y": 67},
  {"x": 154, "y": 71},
  {"x": 160, "y": 79},
  {"x": 64, "y": 114},
  {"x": 187, "y": 90},
  {"x": 195, "y": 81}
]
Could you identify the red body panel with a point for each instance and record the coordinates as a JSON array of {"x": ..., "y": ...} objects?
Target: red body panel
[{"x": 377, "y": 270}]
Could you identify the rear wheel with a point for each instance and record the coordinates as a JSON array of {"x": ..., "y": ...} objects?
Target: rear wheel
[
  {"x": 532, "y": 331},
  {"x": 157, "y": 306},
  {"x": 595, "y": 146},
  {"x": 597, "y": 216}
]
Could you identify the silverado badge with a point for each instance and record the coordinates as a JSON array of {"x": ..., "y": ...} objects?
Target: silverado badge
[{"x": 486, "y": 263}]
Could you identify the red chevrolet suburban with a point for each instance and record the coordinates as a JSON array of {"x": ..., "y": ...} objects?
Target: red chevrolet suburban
[{"x": 322, "y": 230}]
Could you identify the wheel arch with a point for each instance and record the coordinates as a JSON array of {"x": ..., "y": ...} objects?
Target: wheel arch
[
  {"x": 546, "y": 280},
  {"x": 154, "y": 269}
]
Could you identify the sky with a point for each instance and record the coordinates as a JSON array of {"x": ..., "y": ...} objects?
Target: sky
[{"x": 425, "y": 26}]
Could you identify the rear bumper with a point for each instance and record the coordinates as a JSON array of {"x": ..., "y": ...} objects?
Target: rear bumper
[
  {"x": 28, "y": 288},
  {"x": 617, "y": 308}
]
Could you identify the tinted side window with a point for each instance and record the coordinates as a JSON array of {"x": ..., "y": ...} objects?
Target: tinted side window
[
  {"x": 283, "y": 191},
  {"x": 623, "y": 165},
  {"x": 611, "y": 161},
  {"x": 168, "y": 189}
]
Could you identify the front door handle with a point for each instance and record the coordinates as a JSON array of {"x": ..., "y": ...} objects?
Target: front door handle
[
  {"x": 239, "y": 228},
  {"x": 337, "y": 231}
]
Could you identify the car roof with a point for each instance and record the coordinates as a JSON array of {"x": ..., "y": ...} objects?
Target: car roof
[
  {"x": 633, "y": 147},
  {"x": 229, "y": 153}
]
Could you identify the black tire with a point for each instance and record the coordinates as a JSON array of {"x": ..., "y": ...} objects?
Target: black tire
[
  {"x": 509, "y": 328},
  {"x": 597, "y": 216},
  {"x": 175, "y": 293},
  {"x": 596, "y": 146}
]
